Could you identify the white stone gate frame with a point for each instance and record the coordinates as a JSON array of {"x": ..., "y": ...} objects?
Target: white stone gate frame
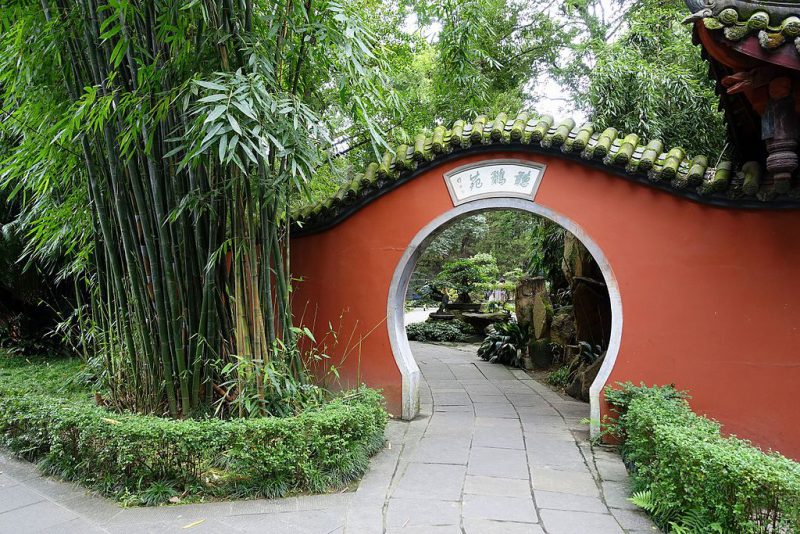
[{"x": 397, "y": 293}]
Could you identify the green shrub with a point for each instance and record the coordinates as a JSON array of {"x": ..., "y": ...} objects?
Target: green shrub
[
  {"x": 454, "y": 331},
  {"x": 504, "y": 344},
  {"x": 147, "y": 459},
  {"x": 559, "y": 377},
  {"x": 687, "y": 474}
]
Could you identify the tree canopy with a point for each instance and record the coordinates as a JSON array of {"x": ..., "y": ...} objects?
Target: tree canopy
[{"x": 629, "y": 64}]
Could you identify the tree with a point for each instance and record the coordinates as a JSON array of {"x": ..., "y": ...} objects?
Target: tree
[
  {"x": 638, "y": 71},
  {"x": 624, "y": 63},
  {"x": 466, "y": 276},
  {"x": 169, "y": 139},
  {"x": 456, "y": 241}
]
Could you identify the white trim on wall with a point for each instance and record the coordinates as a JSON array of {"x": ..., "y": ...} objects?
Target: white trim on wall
[{"x": 405, "y": 268}]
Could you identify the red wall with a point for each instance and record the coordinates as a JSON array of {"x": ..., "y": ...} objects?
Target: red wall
[{"x": 710, "y": 296}]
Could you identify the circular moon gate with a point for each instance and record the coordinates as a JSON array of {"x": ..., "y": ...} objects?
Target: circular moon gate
[{"x": 397, "y": 292}]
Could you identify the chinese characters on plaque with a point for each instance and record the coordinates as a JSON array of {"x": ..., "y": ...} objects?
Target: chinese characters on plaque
[{"x": 493, "y": 180}]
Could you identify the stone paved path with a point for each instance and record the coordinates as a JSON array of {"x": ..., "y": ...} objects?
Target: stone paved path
[{"x": 492, "y": 452}]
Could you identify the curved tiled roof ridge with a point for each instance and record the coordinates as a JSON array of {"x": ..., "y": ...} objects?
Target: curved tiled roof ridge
[
  {"x": 698, "y": 178},
  {"x": 775, "y": 22}
]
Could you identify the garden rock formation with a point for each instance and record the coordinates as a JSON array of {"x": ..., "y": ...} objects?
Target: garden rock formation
[{"x": 586, "y": 322}]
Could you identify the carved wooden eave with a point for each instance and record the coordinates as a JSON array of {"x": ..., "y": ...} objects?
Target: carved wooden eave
[{"x": 754, "y": 53}]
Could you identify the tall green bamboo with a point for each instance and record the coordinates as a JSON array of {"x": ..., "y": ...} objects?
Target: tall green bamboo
[{"x": 188, "y": 127}]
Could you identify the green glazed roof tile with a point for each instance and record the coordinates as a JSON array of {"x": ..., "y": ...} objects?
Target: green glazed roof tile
[
  {"x": 626, "y": 155},
  {"x": 774, "y": 22}
]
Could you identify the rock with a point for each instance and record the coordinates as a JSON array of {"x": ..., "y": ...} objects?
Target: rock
[
  {"x": 592, "y": 309},
  {"x": 591, "y": 304},
  {"x": 583, "y": 378},
  {"x": 562, "y": 328},
  {"x": 577, "y": 261},
  {"x": 542, "y": 315},
  {"x": 533, "y": 307},
  {"x": 524, "y": 299},
  {"x": 481, "y": 321},
  {"x": 460, "y": 308},
  {"x": 540, "y": 353},
  {"x": 587, "y": 376},
  {"x": 573, "y": 389},
  {"x": 438, "y": 316}
]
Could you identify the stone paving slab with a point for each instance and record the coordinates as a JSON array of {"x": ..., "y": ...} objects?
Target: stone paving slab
[
  {"x": 12, "y": 498},
  {"x": 438, "y": 482},
  {"x": 36, "y": 517},
  {"x": 491, "y": 452},
  {"x": 401, "y": 513},
  {"x": 500, "y": 508},
  {"x": 439, "y": 449},
  {"x": 561, "y": 522},
  {"x": 502, "y": 463},
  {"x": 504, "y": 487},
  {"x": 579, "y": 482},
  {"x": 505, "y": 438},
  {"x": 485, "y": 526},
  {"x": 501, "y": 411}
]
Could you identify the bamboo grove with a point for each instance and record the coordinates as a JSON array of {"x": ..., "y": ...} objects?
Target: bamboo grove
[{"x": 160, "y": 145}]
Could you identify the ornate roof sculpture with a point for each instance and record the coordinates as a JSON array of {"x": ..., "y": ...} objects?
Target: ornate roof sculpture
[
  {"x": 695, "y": 177},
  {"x": 774, "y": 23},
  {"x": 753, "y": 48}
]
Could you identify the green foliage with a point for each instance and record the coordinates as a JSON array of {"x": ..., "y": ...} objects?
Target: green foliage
[
  {"x": 31, "y": 297},
  {"x": 66, "y": 378},
  {"x": 508, "y": 235},
  {"x": 137, "y": 133},
  {"x": 484, "y": 54},
  {"x": 546, "y": 253},
  {"x": 452, "y": 331},
  {"x": 505, "y": 344},
  {"x": 145, "y": 459},
  {"x": 691, "y": 522},
  {"x": 468, "y": 275},
  {"x": 559, "y": 377},
  {"x": 651, "y": 80},
  {"x": 157, "y": 493},
  {"x": 694, "y": 480}
]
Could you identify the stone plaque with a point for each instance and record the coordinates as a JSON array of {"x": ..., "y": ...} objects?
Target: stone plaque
[{"x": 497, "y": 178}]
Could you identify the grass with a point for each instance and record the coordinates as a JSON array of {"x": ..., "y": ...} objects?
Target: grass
[{"x": 66, "y": 378}]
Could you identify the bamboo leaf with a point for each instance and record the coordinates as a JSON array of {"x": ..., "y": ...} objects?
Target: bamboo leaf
[
  {"x": 210, "y": 85},
  {"x": 245, "y": 108},
  {"x": 118, "y": 53},
  {"x": 223, "y": 144},
  {"x": 234, "y": 124},
  {"x": 213, "y": 98},
  {"x": 215, "y": 113}
]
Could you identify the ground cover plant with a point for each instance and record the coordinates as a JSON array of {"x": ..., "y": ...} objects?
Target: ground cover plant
[
  {"x": 49, "y": 416},
  {"x": 505, "y": 343},
  {"x": 691, "y": 478},
  {"x": 559, "y": 377},
  {"x": 66, "y": 378},
  {"x": 452, "y": 331}
]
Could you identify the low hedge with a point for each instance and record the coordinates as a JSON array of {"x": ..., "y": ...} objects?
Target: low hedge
[
  {"x": 448, "y": 331},
  {"x": 133, "y": 456},
  {"x": 691, "y": 478}
]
